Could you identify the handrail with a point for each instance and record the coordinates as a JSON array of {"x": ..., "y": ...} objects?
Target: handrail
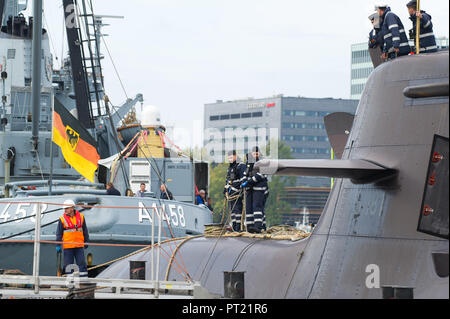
[
  {"x": 62, "y": 191},
  {"x": 54, "y": 182}
]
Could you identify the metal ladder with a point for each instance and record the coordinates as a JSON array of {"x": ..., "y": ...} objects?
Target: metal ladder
[{"x": 89, "y": 40}]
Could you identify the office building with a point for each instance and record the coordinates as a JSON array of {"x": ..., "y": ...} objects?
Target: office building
[
  {"x": 361, "y": 65},
  {"x": 296, "y": 121}
]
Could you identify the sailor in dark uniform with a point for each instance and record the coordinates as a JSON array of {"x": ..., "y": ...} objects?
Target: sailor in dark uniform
[
  {"x": 375, "y": 36},
  {"x": 427, "y": 41},
  {"x": 395, "y": 41},
  {"x": 235, "y": 176},
  {"x": 257, "y": 191}
]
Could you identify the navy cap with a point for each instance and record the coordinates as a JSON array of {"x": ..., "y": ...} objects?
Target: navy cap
[{"x": 412, "y": 3}]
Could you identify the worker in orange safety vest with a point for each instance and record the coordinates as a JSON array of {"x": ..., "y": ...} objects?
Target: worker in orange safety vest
[{"x": 73, "y": 232}]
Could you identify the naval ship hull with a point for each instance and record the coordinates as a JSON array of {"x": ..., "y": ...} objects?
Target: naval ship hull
[{"x": 112, "y": 221}]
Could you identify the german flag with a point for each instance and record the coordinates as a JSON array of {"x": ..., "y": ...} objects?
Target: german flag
[{"x": 77, "y": 145}]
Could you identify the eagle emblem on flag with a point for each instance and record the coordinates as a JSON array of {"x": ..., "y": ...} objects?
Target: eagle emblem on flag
[{"x": 72, "y": 137}]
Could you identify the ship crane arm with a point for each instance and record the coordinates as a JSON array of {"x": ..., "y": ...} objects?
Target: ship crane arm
[{"x": 120, "y": 113}]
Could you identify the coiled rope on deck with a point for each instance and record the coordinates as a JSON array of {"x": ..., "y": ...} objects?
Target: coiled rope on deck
[{"x": 278, "y": 232}]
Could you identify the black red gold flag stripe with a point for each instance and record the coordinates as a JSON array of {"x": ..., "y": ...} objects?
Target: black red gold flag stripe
[{"x": 77, "y": 145}]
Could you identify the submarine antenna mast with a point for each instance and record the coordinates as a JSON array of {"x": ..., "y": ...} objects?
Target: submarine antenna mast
[{"x": 417, "y": 27}]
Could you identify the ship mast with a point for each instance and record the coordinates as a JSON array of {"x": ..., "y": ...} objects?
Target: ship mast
[{"x": 37, "y": 69}]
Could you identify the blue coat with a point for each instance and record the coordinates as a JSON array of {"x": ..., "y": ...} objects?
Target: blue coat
[
  {"x": 394, "y": 35},
  {"x": 375, "y": 38},
  {"x": 199, "y": 200},
  {"x": 256, "y": 180},
  {"x": 235, "y": 176},
  {"x": 427, "y": 41}
]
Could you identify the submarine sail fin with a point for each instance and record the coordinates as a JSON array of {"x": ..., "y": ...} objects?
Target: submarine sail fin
[{"x": 358, "y": 170}]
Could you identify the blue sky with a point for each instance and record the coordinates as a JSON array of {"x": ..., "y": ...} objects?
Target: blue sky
[{"x": 183, "y": 54}]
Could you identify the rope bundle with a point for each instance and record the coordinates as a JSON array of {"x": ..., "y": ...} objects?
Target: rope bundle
[{"x": 279, "y": 232}]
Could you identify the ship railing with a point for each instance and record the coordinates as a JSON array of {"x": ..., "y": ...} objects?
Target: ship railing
[
  {"x": 62, "y": 191},
  {"x": 101, "y": 288},
  {"x": 54, "y": 182},
  {"x": 16, "y": 188},
  {"x": 36, "y": 278}
]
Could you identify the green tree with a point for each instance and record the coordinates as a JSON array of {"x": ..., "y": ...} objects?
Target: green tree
[
  {"x": 217, "y": 178},
  {"x": 277, "y": 188}
]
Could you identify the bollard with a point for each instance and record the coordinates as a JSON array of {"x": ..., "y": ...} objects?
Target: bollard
[
  {"x": 137, "y": 270},
  {"x": 393, "y": 292},
  {"x": 234, "y": 284},
  {"x": 85, "y": 291}
]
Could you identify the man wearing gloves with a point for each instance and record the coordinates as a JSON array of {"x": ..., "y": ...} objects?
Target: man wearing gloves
[
  {"x": 395, "y": 41},
  {"x": 73, "y": 232},
  {"x": 427, "y": 41},
  {"x": 235, "y": 176},
  {"x": 257, "y": 191}
]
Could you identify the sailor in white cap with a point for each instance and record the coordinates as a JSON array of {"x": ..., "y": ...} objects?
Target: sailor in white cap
[
  {"x": 395, "y": 41},
  {"x": 72, "y": 231},
  {"x": 375, "y": 37},
  {"x": 381, "y": 5}
]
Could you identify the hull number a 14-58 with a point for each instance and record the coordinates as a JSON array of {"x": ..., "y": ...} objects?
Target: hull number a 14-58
[
  {"x": 20, "y": 212},
  {"x": 173, "y": 215}
]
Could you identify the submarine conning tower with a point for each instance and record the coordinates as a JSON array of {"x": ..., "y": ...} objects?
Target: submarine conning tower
[
  {"x": 398, "y": 132},
  {"x": 384, "y": 225}
]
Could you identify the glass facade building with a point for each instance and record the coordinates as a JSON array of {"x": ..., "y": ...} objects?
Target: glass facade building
[{"x": 361, "y": 65}]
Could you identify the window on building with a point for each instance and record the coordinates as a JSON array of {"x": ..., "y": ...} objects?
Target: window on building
[
  {"x": 214, "y": 118},
  {"x": 246, "y": 115},
  {"x": 225, "y": 117},
  {"x": 11, "y": 54},
  {"x": 257, "y": 114},
  {"x": 357, "y": 88},
  {"x": 235, "y": 116},
  {"x": 360, "y": 56},
  {"x": 361, "y": 73},
  {"x": 323, "y": 151},
  {"x": 300, "y": 150}
]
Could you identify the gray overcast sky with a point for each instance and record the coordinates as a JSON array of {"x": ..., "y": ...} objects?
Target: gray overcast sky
[{"x": 183, "y": 54}]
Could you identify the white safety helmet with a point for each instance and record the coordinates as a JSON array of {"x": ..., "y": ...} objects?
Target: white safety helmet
[
  {"x": 381, "y": 5},
  {"x": 68, "y": 203}
]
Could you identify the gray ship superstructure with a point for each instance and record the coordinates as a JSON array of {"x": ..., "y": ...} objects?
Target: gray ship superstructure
[{"x": 34, "y": 174}]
